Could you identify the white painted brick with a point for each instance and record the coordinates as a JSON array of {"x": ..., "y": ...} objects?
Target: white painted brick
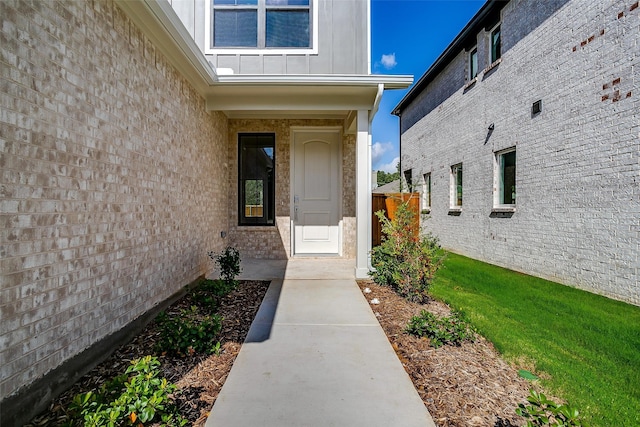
[{"x": 578, "y": 165}]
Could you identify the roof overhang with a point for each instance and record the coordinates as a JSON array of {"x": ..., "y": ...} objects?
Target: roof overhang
[
  {"x": 299, "y": 95},
  {"x": 487, "y": 17},
  {"x": 256, "y": 96}
]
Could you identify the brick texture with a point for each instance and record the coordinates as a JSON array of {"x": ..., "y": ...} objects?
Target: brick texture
[
  {"x": 275, "y": 242},
  {"x": 577, "y": 218},
  {"x": 112, "y": 187}
]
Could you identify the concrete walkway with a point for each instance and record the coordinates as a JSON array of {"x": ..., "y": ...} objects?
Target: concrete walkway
[{"x": 315, "y": 356}]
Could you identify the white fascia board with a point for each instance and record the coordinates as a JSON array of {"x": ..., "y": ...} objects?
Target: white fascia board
[
  {"x": 371, "y": 80},
  {"x": 158, "y": 20}
]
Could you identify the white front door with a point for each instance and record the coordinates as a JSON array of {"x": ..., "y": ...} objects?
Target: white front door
[{"x": 316, "y": 191}]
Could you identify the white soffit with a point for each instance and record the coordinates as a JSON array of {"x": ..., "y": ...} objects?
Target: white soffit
[{"x": 302, "y": 94}]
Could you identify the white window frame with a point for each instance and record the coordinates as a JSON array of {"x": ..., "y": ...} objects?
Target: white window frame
[
  {"x": 453, "y": 191},
  {"x": 426, "y": 191},
  {"x": 211, "y": 50},
  {"x": 498, "y": 184}
]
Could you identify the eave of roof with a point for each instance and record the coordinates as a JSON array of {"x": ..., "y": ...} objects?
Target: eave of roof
[
  {"x": 488, "y": 15},
  {"x": 242, "y": 95}
]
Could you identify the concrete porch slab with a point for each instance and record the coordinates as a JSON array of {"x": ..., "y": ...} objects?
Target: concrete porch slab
[{"x": 297, "y": 268}]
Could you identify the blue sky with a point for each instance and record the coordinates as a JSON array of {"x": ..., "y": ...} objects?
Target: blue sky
[{"x": 407, "y": 36}]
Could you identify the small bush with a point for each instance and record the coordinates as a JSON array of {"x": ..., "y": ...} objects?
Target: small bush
[
  {"x": 228, "y": 261},
  {"x": 188, "y": 333},
  {"x": 136, "y": 397},
  {"x": 405, "y": 261},
  {"x": 545, "y": 412},
  {"x": 446, "y": 330}
]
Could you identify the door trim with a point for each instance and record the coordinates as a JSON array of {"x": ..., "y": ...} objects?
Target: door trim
[{"x": 293, "y": 131}]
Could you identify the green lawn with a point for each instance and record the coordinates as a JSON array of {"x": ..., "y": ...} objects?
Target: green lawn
[{"x": 586, "y": 346}]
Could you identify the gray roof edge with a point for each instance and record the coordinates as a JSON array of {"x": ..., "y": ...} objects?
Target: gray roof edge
[{"x": 485, "y": 15}]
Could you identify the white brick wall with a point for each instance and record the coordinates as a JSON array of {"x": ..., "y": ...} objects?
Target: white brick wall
[{"x": 577, "y": 219}]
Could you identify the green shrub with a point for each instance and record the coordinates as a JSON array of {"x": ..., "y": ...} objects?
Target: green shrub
[
  {"x": 188, "y": 333},
  {"x": 446, "y": 330},
  {"x": 405, "y": 261},
  {"x": 228, "y": 261},
  {"x": 208, "y": 293},
  {"x": 544, "y": 412},
  {"x": 136, "y": 397},
  {"x": 216, "y": 288}
]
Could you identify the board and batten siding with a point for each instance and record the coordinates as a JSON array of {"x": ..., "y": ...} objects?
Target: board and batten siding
[{"x": 342, "y": 41}]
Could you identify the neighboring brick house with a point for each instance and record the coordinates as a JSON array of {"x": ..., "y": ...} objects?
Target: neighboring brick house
[
  {"x": 126, "y": 156},
  {"x": 524, "y": 139}
]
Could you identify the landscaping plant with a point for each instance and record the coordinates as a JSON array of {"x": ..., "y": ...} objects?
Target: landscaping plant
[
  {"x": 405, "y": 261},
  {"x": 545, "y": 412},
  {"x": 188, "y": 333},
  {"x": 446, "y": 330},
  {"x": 137, "y": 397},
  {"x": 228, "y": 261}
]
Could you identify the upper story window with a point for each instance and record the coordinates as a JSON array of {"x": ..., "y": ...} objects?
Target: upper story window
[
  {"x": 261, "y": 24},
  {"x": 496, "y": 44},
  {"x": 473, "y": 63}
]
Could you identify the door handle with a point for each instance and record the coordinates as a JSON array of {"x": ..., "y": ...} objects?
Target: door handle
[{"x": 295, "y": 213}]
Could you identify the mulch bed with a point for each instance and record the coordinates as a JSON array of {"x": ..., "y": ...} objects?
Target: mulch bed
[
  {"x": 469, "y": 385},
  {"x": 198, "y": 377}
]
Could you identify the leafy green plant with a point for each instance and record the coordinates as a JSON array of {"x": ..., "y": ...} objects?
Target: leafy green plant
[
  {"x": 405, "y": 261},
  {"x": 446, "y": 330},
  {"x": 136, "y": 397},
  {"x": 228, "y": 261},
  {"x": 542, "y": 411},
  {"x": 188, "y": 333},
  {"x": 217, "y": 288}
]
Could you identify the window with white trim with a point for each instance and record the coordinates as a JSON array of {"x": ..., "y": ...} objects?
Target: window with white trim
[
  {"x": 496, "y": 44},
  {"x": 456, "y": 186},
  {"x": 473, "y": 63},
  {"x": 261, "y": 24},
  {"x": 426, "y": 191},
  {"x": 505, "y": 179}
]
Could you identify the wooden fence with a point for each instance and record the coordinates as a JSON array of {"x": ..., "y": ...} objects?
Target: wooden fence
[{"x": 389, "y": 203}]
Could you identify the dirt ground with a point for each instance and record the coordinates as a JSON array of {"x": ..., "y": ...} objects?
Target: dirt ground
[{"x": 469, "y": 385}]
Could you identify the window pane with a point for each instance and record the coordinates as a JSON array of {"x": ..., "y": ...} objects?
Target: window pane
[
  {"x": 256, "y": 184},
  {"x": 253, "y": 199},
  {"x": 287, "y": 2},
  {"x": 495, "y": 45},
  {"x": 456, "y": 171},
  {"x": 473, "y": 64},
  {"x": 426, "y": 191},
  {"x": 235, "y": 28},
  {"x": 287, "y": 28},
  {"x": 408, "y": 179},
  {"x": 508, "y": 178}
]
